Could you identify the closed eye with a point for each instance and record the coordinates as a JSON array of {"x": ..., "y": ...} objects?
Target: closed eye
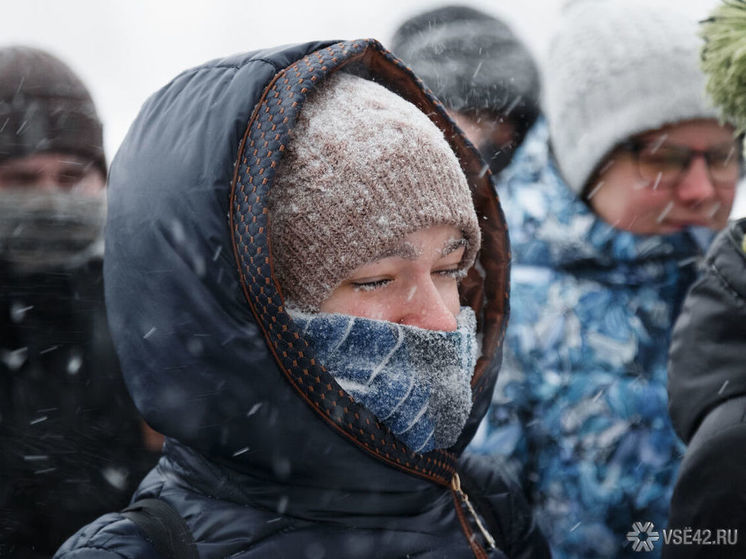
[
  {"x": 70, "y": 178},
  {"x": 21, "y": 178},
  {"x": 369, "y": 285},
  {"x": 457, "y": 273}
]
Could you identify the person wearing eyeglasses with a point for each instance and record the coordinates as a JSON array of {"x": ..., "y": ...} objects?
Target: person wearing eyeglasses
[
  {"x": 682, "y": 175},
  {"x": 611, "y": 202}
]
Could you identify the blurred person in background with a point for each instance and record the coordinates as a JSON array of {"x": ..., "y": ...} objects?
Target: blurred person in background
[
  {"x": 707, "y": 368},
  {"x": 610, "y": 203},
  {"x": 71, "y": 443},
  {"x": 481, "y": 71}
]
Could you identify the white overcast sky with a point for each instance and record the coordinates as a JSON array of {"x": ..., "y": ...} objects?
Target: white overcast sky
[{"x": 125, "y": 50}]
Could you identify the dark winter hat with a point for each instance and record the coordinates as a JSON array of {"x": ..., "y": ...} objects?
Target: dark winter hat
[
  {"x": 364, "y": 168},
  {"x": 44, "y": 107},
  {"x": 472, "y": 61}
]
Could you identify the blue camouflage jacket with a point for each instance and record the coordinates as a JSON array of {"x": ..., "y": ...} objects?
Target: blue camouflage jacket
[{"x": 580, "y": 407}]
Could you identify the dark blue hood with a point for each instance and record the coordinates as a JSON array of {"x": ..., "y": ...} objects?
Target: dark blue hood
[{"x": 208, "y": 353}]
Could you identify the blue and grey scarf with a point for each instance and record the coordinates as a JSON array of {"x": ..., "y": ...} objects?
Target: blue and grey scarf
[{"x": 415, "y": 381}]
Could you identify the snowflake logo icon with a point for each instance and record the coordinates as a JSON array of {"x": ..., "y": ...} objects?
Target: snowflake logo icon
[{"x": 643, "y": 536}]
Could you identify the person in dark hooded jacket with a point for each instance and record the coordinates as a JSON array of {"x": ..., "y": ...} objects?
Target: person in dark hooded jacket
[{"x": 294, "y": 297}]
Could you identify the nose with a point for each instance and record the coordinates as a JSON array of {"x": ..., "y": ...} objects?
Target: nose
[
  {"x": 428, "y": 307},
  {"x": 696, "y": 185}
]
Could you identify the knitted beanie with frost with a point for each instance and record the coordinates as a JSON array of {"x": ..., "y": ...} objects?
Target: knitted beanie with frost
[
  {"x": 615, "y": 69},
  {"x": 363, "y": 169}
]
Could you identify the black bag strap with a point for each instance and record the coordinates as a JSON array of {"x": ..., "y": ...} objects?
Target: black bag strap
[{"x": 163, "y": 527}]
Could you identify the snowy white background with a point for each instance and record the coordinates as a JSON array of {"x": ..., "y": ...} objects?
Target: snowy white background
[{"x": 126, "y": 50}]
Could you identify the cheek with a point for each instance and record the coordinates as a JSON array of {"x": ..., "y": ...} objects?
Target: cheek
[
  {"x": 645, "y": 211},
  {"x": 720, "y": 213},
  {"x": 621, "y": 193},
  {"x": 450, "y": 295},
  {"x": 632, "y": 209},
  {"x": 726, "y": 199},
  {"x": 367, "y": 304},
  {"x": 608, "y": 204},
  {"x": 92, "y": 183},
  {"x": 377, "y": 308},
  {"x": 647, "y": 201}
]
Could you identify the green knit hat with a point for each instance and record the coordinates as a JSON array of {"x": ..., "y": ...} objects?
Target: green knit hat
[{"x": 724, "y": 59}]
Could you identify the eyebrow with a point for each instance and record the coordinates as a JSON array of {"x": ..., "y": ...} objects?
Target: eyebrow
[
  {"x": 73, "y": 162},
  {"x": 408, "y": 251},
  {"x": 453, "y": 245},
  {"x": 404, "y": 250}
]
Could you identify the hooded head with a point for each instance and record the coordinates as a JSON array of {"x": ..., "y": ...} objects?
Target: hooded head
[{"x": 194, "y": 282}]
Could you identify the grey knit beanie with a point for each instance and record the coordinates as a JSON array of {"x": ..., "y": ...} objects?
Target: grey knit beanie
[
  {"x": 44, "y": 107},
  {"x": 472, "y": 61},
  {"x": 363, "y": 169},
  {"x": 614, "y": 69}
]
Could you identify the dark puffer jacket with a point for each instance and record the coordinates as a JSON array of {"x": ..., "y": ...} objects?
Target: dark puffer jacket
[
  {"x": 707, "y": 391},
  {"x": 71, "y": 443},
  {"x": 273, "y": 458}
]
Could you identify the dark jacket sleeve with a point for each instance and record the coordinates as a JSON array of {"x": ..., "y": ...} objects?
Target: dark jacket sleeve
[
  {"x": 707, "y": 402},
  {"x": 110, "y": 537},
  {"x": 499, "y": 500},
  {"x": 710, "y": 492},
  {"x": 707, "y": 364}
]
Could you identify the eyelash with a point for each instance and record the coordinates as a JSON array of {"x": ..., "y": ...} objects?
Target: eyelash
[
  {"x": 458, "y": 274},
  {"x": 370, "y": 285}
]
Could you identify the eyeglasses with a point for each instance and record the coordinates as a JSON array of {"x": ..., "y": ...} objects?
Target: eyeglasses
[{"x": 663, "y": 165}]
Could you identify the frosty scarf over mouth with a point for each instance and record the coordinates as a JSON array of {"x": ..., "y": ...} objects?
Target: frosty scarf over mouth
[{"x": 417, "y": 382}]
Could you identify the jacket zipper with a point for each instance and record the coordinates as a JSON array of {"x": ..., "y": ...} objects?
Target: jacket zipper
[{"x": 456, "y": 487}]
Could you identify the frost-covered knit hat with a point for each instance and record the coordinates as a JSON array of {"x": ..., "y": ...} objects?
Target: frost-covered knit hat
[
  {"x": 363, "y": 169},
  {"x": 472, "y": 61},
  {"x": 614, "y": 69},
  {"x": 44, "y": 107}
]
